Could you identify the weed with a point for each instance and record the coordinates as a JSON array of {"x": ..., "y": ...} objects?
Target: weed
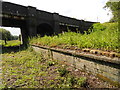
[
  {"x": 81, "y": 81},
  {"x": 100, "y": 36},
  {"x": 71, "y": 80},
  {"x": 62, "y": 71},
  {"x": 27, "y": 69},
  {"x": 51, "y": 63}
]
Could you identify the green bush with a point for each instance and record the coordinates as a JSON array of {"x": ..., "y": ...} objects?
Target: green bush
[{"x": 100, "y": 36}]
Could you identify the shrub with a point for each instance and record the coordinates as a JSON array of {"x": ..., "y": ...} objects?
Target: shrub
[{"x": 100, "y": 36}]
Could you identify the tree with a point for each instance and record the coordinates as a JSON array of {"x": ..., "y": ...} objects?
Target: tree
[
  {"x": 5, "y": 35},
  {"x": 115, "y": 9},
  {"x": 15, "y": 37}
]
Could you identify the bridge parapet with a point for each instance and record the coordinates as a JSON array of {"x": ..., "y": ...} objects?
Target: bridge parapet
[
  {"x": 44, "y": 15},
  {"x": 13, "y": 9},
  {"x": 68, "y": 20}
]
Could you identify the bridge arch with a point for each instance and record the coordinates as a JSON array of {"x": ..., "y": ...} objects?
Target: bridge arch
[{"x": 44, "y": 29}]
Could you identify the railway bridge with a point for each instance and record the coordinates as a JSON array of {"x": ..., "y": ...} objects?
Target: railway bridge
[{"x": 32, "y": 21}]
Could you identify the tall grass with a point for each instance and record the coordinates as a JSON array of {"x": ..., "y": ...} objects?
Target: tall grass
[{"x": 100, "y": 36}]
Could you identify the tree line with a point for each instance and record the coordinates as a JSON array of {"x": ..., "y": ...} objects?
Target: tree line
[{"x": 7, "y": 36}]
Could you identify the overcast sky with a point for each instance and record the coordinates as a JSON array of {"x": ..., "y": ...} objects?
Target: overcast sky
[{"x": 89, "y": 10}]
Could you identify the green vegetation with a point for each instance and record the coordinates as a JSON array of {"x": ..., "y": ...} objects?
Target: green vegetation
[
  {"x": 6, "y": 36},
  {"x": 10, "y": 43},
  {"x": 63, "y": 71},
  {"x": 100, "y": 36},
  {"x": 115, "y": 9},
  {"x": 27, "y": 69}
]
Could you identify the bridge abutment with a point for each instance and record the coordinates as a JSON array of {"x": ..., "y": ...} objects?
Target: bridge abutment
[
  {"x": 24, "y": 34},
  {"x": 31, "y": 21},
  {"x": 56, "y": 23}
]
